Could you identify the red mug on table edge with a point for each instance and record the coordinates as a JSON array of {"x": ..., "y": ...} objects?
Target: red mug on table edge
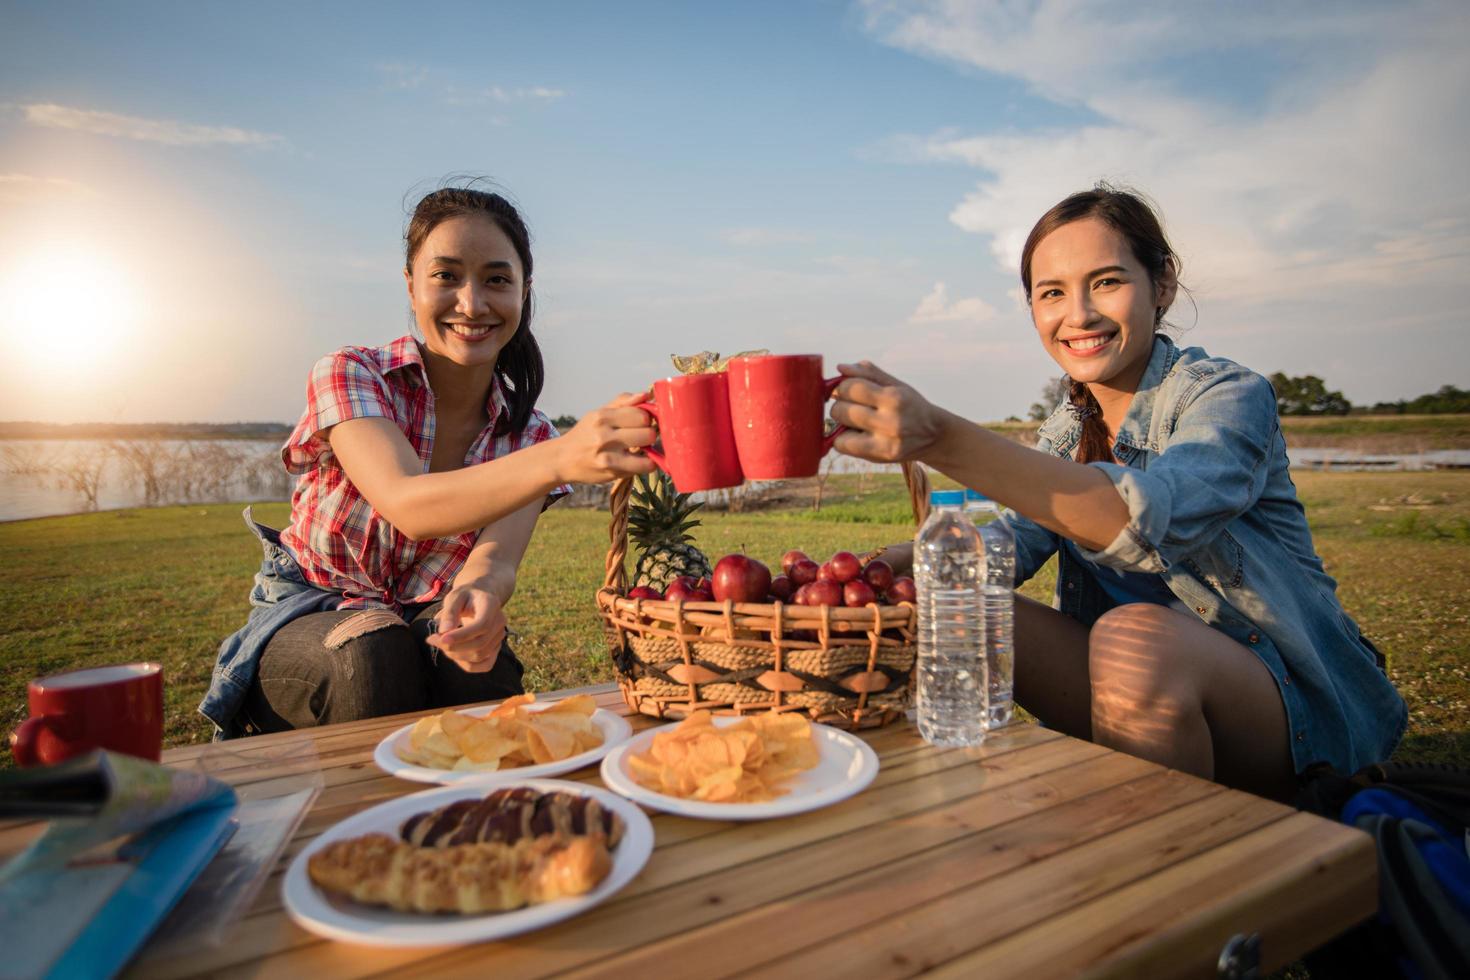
[
  {"x": 693, "y": 416},
  {"x": 777, "y": 411},
  {"x": 117, "y": 707}
]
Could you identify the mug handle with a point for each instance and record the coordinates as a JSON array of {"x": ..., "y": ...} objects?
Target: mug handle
[
  {"x": 648, "y": 405},
  {"x": 23, "y": 741},
  {"x": 829, "y": 385}
]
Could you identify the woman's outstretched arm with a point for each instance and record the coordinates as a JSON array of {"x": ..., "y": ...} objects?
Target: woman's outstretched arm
[
  {"x": 890, "y": 422},
  {"x": 384, "y": 467}
]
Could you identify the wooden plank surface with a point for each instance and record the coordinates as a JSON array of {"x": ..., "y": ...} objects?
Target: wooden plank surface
[{"x": 1034, "y": 855}]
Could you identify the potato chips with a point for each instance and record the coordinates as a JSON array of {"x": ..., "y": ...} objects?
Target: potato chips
[
  {"x": 507, "y": 737},
  {"x": 746, "y": 762}
]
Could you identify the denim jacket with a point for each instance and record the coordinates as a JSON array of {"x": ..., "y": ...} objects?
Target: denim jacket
[
  {"x": 280, "y": 594},
  {"x": 1213, "y": 511}
]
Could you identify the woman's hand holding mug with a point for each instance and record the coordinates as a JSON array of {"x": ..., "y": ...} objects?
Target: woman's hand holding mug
[
  {"x": 599, "y": 447},
  {"x": 887, "y": 421}
]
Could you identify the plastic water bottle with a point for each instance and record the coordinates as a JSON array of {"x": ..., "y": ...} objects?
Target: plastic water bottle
[
  {"x": 949, "y": 573},
  {"x": 999, "y": 604}
]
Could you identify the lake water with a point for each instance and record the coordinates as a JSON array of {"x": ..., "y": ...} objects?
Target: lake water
[
  {"x": 34, "y": 473},
  {"x": 42, "y": 478}
]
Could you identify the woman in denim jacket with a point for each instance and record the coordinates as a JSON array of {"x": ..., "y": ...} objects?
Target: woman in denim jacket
[{"x": 1194, "y": 623}]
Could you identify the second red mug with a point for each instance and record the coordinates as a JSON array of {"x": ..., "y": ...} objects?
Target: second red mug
[
  {"x": 118, "y": 708},
  {"x": 778, "y": 410},
  {"x": 693, "y": 415}
]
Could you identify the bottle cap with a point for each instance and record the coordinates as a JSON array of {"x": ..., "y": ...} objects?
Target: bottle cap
[{"x": 946, "y": 498}]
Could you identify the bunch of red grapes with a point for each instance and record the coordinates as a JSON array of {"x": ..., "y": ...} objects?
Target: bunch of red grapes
[{"x": 842, "y": 580}]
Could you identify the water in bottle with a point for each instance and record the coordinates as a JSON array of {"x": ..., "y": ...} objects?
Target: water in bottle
[
  {"x": 999, "y": 604},
  {"x": 949, "y": 572}
]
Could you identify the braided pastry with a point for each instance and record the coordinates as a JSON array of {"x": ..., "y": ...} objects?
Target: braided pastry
[
  {"x": 466, "y": 878},
  {"x": 510, "y": 815}
]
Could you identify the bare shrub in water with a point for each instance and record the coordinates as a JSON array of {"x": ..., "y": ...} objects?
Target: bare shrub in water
[
  {"x": 26, "y": 459},
  {"x": 80, "y": 473}
]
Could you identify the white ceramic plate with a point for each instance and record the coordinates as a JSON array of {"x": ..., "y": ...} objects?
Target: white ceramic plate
[
  {"x": 339, "y": 918},
  {"x": 846, "y": 766},
  {"x": 615, "y": 729}
]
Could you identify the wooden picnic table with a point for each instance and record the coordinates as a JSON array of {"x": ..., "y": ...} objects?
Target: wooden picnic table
[{"x": 1036, "y": 855}]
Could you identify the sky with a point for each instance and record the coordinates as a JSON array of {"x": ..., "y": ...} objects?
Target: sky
[{"x": 198, "y": 200}]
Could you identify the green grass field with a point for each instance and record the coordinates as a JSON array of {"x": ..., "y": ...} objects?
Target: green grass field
[{"x": 167, "y": 584}]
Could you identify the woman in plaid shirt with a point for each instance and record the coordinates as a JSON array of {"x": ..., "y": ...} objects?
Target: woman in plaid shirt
[{"x": 422, "y": 467}]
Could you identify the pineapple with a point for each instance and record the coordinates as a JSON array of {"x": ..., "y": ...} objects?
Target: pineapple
[{"x": 657, "y": 522}]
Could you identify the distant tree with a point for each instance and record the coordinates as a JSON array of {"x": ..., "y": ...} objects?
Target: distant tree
[
  {"x": 25, "y": 459},
  {"x": 1307, "y": 395},
  {"x": 153, "y": 464},
  {"x": 564, "y": 422},
  {"x": 1053, "y": 393},
  {"x": 1448, "y": 399},
  {"x": 81, "y": 473}
]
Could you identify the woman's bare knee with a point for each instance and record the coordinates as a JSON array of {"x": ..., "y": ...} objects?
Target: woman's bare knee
[{"x": 1143, "y": 692}]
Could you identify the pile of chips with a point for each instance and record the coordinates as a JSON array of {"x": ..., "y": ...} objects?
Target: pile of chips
[
  {"x": 509, "y": 736},
  {"x": 746, "y": 762}
]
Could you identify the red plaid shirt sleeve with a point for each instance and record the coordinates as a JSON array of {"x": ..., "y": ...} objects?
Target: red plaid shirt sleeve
[{"x": 343, "y": 385}]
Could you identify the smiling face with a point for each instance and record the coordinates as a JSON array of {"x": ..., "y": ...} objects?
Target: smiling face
[
  {"x": 467, "y": 290},
  {"x": 1094, "y": 305}
]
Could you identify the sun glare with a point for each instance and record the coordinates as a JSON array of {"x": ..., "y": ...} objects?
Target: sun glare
[{"x": 65, "y": 307}]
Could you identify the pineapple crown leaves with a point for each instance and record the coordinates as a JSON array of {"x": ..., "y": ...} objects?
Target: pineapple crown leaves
[
  {"x": 659, "y": 513},
  {"x": 708, "y": 361}
]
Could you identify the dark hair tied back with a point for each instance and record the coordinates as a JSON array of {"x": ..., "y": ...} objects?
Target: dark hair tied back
[
  {"x": 519, "y": 367},
  {"x": 1135, "y": 220}
]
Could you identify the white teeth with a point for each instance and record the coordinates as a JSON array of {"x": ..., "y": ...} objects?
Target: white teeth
[
  {"x": 1088, "y": 343},
  {"x": 464, "y": 330}
]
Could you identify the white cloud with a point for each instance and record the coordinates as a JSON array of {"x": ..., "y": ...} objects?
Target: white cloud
[
  {"x": 166, "y": 131},
  {"x": 747, "y": 237},
  {"x": 501, "y": 96},
  {"x": 24, "y": 187},
  {"x": 936, "y": 307},
  {"x": 1345, "y": 170},
  {"x": 399, "y": 76}
]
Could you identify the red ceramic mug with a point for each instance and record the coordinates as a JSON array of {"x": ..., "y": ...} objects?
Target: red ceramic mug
[
  {"x": 778, "y": 409},
  {"x": 693, "y": 416},
  {"x": 116, "y": 708}
]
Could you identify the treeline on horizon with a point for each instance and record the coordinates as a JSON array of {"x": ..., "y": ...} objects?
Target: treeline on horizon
[
  {"x": 1295, "y": 396},
  {"x": 1309, "y": 395}
]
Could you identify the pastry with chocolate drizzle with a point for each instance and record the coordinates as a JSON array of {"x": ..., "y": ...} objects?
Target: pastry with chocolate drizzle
[{"x": 509, "y": 815}]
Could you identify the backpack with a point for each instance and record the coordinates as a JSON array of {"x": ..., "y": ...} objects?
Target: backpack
[{"x": 1419, "y": 817}]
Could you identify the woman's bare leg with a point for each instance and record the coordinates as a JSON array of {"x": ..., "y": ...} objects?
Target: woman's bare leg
[
  {"x": 1051, "y": 668},
  {"x": 1168, "y": 688}
]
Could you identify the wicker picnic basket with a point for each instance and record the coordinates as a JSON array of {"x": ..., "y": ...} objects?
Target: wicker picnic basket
[{"x": 851, "y": 668}]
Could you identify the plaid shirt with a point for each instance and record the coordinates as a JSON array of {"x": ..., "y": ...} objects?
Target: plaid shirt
[{"x": 341, "y": 543}]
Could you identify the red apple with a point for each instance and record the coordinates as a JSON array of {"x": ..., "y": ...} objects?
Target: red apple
[
  {"x": 682, "y": 588},
  {"x": 802, "y": 572},
  {"x": 879, "y": 574},
  {"x": 799, "y": 597},
  {"x": 781, "y": 588},
  {"x": 902, "y": 590},
  {"x": 741, "y": 578},
  {"x": 824, "y": 592},
  {"x": 644, "y": 592},
  {"x": 857, "y": 594},
  {"x": 845, "y": 566},
  {"x": 825, "y": 573},
  {"x": 791, "y": 558}
]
